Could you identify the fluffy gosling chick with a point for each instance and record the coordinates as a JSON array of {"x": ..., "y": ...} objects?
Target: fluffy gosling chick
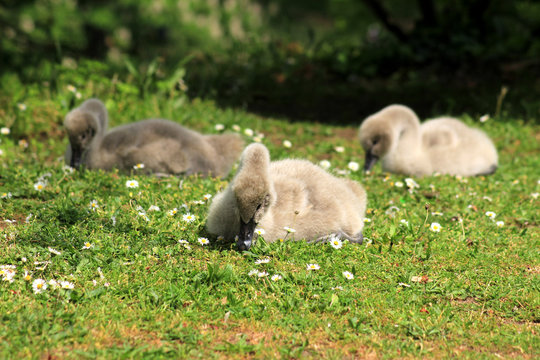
[
  {"x": 287, "y": 193},
  {"x": 443, "y": 145},
  {"x": 164, "y": 147}
]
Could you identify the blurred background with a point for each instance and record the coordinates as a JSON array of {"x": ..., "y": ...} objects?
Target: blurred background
[{"x": 332, "y": 61}]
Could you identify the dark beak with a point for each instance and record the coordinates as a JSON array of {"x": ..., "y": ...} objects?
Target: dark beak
[
  {"x": 245, "y": 238},
  {"x": 370, "y": 160},
  {"x": 76, "y": 155}
]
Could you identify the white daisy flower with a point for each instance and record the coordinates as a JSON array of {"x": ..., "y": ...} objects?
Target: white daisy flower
[
  {"x": 5, "y": 131},
  {"x": 257, "y": 139},
  {"x": 435, "y": 227},
  {"x": 353, "y": 166},
  {"x": 398, "y": 184},
  {"x": 87, "y": 245},
  {"x": 172, "y": 212},
  {"x": 207, "y": 197},
  {"x": 348, "y": 275},
  {"x": 262, "y": 274},
  {"x": 198, "y": 202},
  {"x": 313, "y": 267},
  {"x": 6, "y": 195},
  {"x": 484, "y": 118},
  {"x": 337, "y": 288},
  {"x": 368, "y": 241},
  {"x": 220, "y": 238},
  {"x": 336, "y": 242},
  {"x": 8, "y": 273},
  {"x": 253, "y": 272},
  {"x": 132, "y": 184},
  {"x": 189, "y": 217},
  {"x": 367, "y": 220},
  {"x": 288, "y": 229},
  {"x": 436, "y": 213},
  {"x": 21, "y": 106},
  {"x": 40, "y": 185},
  {"x": 260, "y": 231},
  {"x": 219, "y": 127},
  {"x": 78, "y": 95},
  {"x": 411, "y": 184},
  {"x": 262, "y": 261},
  {"x": 27, "y": 276},
  {"x": 236, "y": 128},
  {"x": 535, "y": 195},
  {"x": 71, "y": 88},
  {"x": 248, "y": 132},
  {"x": 68, "y": 169},
  {"x": 404, "y": 222},
  {"x": 39, "y": 285},
  {"x": 500, "y": 223},
  {"x": 339, "y": 149},
  {"x": 154, "y": 208},
  {"x": 203, "y": 241},
  {"x": 53, "y": 251},
  {"x": 138, "y": 166},
  {"x": 66, "y": 285},
  {"x": 93, "y": 205},
  {"x": 325, "y": 164},
  {"x": 491, "y": 214},
  {"x": 276, "y": 277},
  {"x": 487, "y": 198},
  {"x": 287, "y": 144},
  {"x": 183, "y": 242}
]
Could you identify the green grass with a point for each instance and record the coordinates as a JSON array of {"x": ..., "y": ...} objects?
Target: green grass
[{"x": 468, "y": 291}]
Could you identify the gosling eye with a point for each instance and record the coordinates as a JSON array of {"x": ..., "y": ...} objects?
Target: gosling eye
[{"x": 258, "y": 207}]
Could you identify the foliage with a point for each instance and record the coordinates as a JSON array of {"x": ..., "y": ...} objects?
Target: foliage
[{"x": 470, "y": 290}]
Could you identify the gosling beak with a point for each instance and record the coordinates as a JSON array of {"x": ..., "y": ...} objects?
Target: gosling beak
[
  {"x": 370, "y": 160},
  {"x": 245, "y": 237},
  {"x": 76, "y": 155}
]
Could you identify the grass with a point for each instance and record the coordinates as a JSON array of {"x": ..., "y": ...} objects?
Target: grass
[{"x": 468, "y": 291}]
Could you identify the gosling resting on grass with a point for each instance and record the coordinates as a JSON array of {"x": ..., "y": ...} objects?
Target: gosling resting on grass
[
  {"x": 444, "y": 145},
  {"x": 163, "y": 146},
  {"x": 287, "y": 193}
]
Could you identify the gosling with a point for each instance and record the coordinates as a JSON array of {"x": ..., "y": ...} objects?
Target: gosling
[
  {"x": 443, "y": 145},
  {"x": 162, "y": 146},
  {"x": 287, "y": 198}
]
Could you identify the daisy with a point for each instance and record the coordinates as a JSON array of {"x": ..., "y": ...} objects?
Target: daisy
[
  {"x": 236, "y": 128},
  {"x": 353, "y": 166},
  {"x": 260, "y": 231},
  {"x": 535, "y": 195},
  {"x": 207, "y": 197},
  {"x": 339, "y": 149},
  {"x": 398, "y": 184},
  {"x": 248, "y": 132},
  {"x": 313, "y": 267},
  {"x": 484, "y": 118},
  {"x": 411, "y": 184},
  {"x": 435, "y": 227},
  {"x": 262, "y": 261},
  {"x": 198, "y": 202},
  {"x": 8, "y": 274},
  {"x": 21, "y": 106},
  {"x": 39, "y": 285},
  {"x": 40, "y": 185},
  {"x": 5, "y": 131},
  {"x": 491, "y": 215},
  {"x": 66, "y": 285},
  {"x": 287, "y": 144},
  {"x": 172, "y": 212},
  {"x": 276, "y": 277},
  {"x": 219, "y": 127},
  {"x": 257, "y": 139},
  {"x": 368, "y": 241},
  {"x": 93, "y": 205},
  {"x": 189, "y": 217},
  {"x": 27, "y": 276},
  {"x": 325, "y": 164},
  {"x": 253, "y": 272},
  {"x": 436, "y": 213},
  {"x": 87, "y": 245},
  {"x": 367, "y": 220},
  {"x": 71, "y": 88},
  {"x": 138, "y": 166},
  {"x": 6, "y": 195},
  {"x": 183, "y": 242},
  {"x": 500, "y": 223},
  {"x": 203, "y": 241},
  {"x": 404, "y": 222},
  {"x": 262, "y": 274},
  {"x": 348, "y": 275},
  {"x": 132, "y": 184},
  {"x": 154, "y": 208},
  {"x": 53, "y": 251},
  {"x": 336, "y": 242},
  {"x": 288, "y": 229}
]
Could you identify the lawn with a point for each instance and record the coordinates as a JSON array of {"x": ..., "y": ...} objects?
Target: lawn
[{"x": 126, "y": 275}]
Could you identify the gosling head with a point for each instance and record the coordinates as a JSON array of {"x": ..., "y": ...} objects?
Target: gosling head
[
  {"x": 376, "y": 139},
  {"x": 253, "y": 190},
  {"x": 82, "y": 126}
]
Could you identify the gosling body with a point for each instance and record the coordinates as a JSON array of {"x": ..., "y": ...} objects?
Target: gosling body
[
  {"x": 163, "y": 146},
  {"x": 443, "y": 145},
  {"x": 288, "y": 193}
]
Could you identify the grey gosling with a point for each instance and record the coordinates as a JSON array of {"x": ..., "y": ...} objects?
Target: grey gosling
[
  {"x": 283, "y": 195},
  {"x": 163, "y": 146},
  {"x": 443, "y": 145}
]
